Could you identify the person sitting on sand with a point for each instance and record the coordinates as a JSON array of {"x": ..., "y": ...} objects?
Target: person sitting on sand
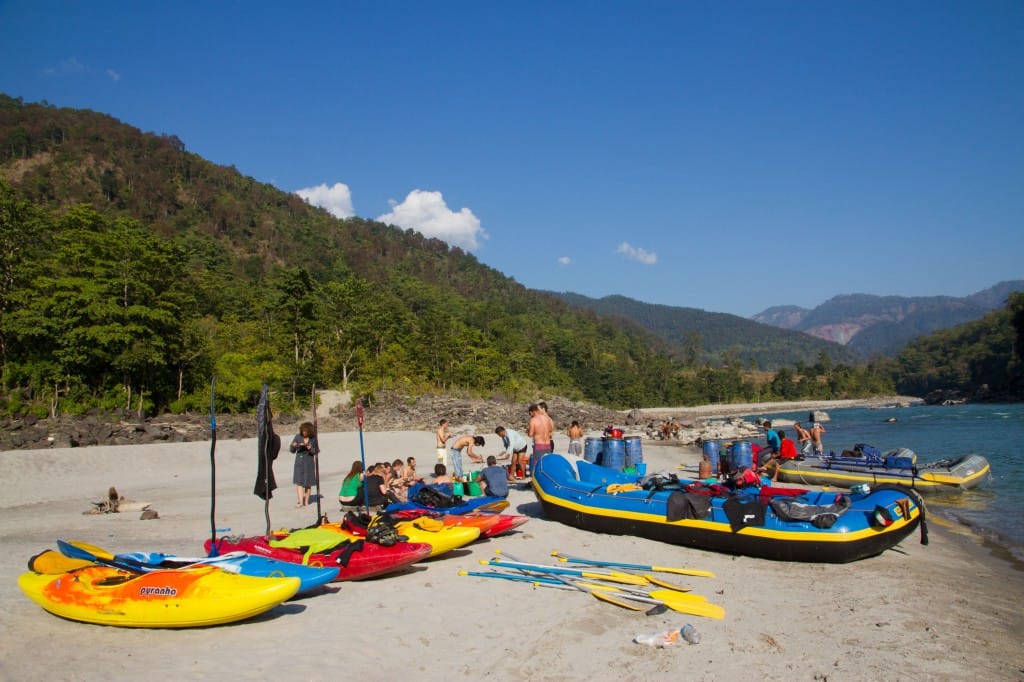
[
  {"x": 494, "y": 479},
  {"x": 440, "y": 476},
  {"x": 400, "y": 482},
  {"x": 376, "y": 492},
  {"x": 350, "y": 485},
  {"x": 410, "y": 470}
]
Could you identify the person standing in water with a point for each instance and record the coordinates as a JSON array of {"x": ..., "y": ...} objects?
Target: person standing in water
[{"x": 817, "y": 431}]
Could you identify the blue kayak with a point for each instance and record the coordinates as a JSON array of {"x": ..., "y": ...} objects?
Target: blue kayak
[
  {"x": 310, "y": 577},
  {"x": 435, "y": 499}
]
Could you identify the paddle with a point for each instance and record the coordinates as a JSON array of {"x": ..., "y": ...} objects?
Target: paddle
[
  {"x": 97, "y": 555},
  {"x": 623, "y": 578},
  {"x": 528, "y": 577},
  {"x": 316, "y": 458},
  {"x": 360, "y": 416},
  {"x": 49, "y": 562},
  {"x": 539, "y": 581},
  {"x": 640, "y": 567},
  {"x": 562, "y": 579},
  {"x": 690, "y": 604},
  {"x": 213, "y": 471}
]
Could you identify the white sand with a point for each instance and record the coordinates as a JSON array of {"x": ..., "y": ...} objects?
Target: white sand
[{"x": 950, "y": 610}]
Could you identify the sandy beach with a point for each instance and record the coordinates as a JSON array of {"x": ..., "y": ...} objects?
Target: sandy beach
[{"x": 946, "y": 611}]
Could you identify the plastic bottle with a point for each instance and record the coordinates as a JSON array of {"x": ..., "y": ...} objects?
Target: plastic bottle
[{"x": 660, "y": 640}]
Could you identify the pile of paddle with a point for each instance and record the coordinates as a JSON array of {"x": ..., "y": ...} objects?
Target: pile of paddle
[{"x": 627, "y": 588}]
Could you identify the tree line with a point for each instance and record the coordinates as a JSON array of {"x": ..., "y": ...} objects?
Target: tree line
[{"x": 133, "y": 272}]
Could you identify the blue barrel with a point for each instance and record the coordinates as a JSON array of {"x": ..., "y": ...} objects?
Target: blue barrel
[
  {"x": 613, "y": 453},
  {"x": 634, "y": 451},
  {"x": 741, "y": 455},
  {"x": 592, "y": 450},
  {"x": 712, "y": 448}
]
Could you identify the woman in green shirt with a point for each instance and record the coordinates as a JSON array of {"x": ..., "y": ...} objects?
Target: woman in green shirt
[{"x": 350, "y": 486}]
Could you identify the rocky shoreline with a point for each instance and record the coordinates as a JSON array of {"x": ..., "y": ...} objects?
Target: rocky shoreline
[{"x": 399, "y": 413}]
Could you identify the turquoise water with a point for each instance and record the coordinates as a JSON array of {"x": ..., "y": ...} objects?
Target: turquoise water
[{"x": 937, "y": 432}]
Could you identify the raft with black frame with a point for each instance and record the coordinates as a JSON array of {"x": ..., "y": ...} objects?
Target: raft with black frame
[
  {"x": 865, "y": 464},
  {"x": 771, "y": 523}
]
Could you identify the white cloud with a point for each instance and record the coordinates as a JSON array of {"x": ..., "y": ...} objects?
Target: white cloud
[
  {"x": 428, "y": 213},
  {"x": 564, "y": 260},
  {"x": 67, "y": 66},
  {"x": 637, "y": 254},
  {"x": 336, "y": 199},
  {"x": 113, "y": 75}
]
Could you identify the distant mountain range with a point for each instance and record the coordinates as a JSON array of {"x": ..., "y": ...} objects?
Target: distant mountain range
[
  {"x": 714, "y": 337},
  {"x": 871, "y": 325}
]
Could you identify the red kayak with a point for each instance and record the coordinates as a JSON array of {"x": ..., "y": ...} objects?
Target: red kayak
[{"x": 356, "y": 559}]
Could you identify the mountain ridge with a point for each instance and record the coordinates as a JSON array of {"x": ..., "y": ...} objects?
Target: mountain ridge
[{"x": 871, "y": 324}]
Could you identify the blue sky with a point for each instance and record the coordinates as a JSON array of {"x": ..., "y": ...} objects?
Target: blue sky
[{"x": 729, "y": 156}]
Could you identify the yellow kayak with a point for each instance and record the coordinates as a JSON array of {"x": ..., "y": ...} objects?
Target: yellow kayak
[
  {"x": 179, "y": 598},
  {"x": 441, "y": 538}
]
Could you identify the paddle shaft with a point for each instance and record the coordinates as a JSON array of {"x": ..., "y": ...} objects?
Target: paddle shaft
[
  {"x": 637, "y": 567},
  {"x": 558, "y": 570},
  {"x": 573, "y": 585},
  {"x": 689, "y": 604},
  {"x": 213, "y": 471},
  {"x": 319, "y": 512}
]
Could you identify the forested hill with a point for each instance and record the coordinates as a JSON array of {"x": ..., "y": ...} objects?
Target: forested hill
[
  {"x": 134, "y": 271},
  {"x": 700, "y": 336}
]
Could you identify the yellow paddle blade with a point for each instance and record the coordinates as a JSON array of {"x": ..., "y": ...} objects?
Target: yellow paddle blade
[
  {"x": 98, "y": 552},
  {"x": 694, "y": 608},
  {"x": 611, "y": 600},
  {"x": 654, "y": 580},
  {"x": 684, "y": 571},
  {"x": 50, "y": 562},
  {"x": 621, "y": 578},
  {"x": 496, "y": 506}
]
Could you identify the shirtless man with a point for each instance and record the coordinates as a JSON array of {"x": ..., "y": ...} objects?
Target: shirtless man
[
  {"x": 551, "y": 422},
  {"x": 816, "y": 432},
  {"x": 575, "y": 433},
  {"x": 803, "y": 438},
  {"x": 542, "y": 432},
  {"x": 443, "y": 434},
  {"x": 467, "y": 443}
]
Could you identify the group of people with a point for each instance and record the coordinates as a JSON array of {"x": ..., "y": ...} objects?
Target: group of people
[
  {"x": 515, "y": 447},
  {"x": 779, "y": 447},
  {"x": 380, "y": 484},
  {"x": 383, "y": 483}
]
